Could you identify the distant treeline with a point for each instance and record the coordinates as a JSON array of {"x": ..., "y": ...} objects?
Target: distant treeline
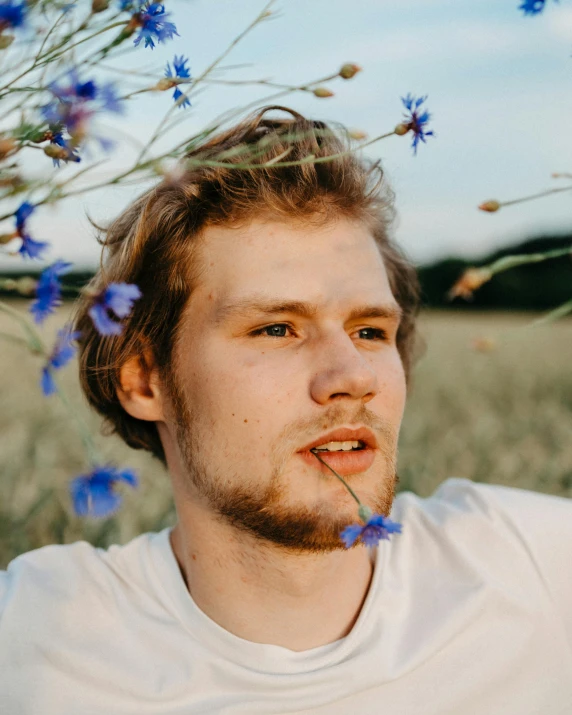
[{"x": 538, "y": 286}]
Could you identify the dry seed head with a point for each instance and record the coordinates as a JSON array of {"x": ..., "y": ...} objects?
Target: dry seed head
[
  {"x": 470, "y": 281},
  {"x": 490, "y": 206},
  {"x": 323, "y": 92},
  {"x": 349, "y": 70}
]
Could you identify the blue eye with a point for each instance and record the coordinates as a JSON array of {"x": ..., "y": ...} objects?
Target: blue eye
[{"x": 278, "y": 330}]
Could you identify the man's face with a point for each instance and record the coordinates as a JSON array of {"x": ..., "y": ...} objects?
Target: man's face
[{"x": 288, "y": 337}]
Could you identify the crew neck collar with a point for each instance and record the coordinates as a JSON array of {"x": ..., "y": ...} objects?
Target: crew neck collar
[{"x": 259, "y": 657}]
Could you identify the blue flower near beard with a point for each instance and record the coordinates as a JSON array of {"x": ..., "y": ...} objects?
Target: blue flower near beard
[
  {"x": 49, "y": 291},
  {"x": 93, "y": 494},
  {"x": 376, "y": 528}
]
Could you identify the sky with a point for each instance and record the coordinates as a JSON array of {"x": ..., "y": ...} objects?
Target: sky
[{"x": 498, "y": 86}]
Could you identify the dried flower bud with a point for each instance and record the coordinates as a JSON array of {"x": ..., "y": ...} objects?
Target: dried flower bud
[
  {"x": 13, "y": 180},
  {"x": 7, "y": 237},
  {"x": 401, "y": 129},
  {"x": 490, "y": 206},
  {"x": 55, "y": 151},
  {"x": 166, "y": 83},
  {"x": 357, "y": 134},
  {"x": 26, "y": 285},
  {"x": 470, "y": 281},
  {"x": 349, "y": 70},
  {"x": 99, "y": 5},
  {"x": 6, "y": 41},
  {"x": 323, "y": 92},
  {"x": 7, "y": 146}
]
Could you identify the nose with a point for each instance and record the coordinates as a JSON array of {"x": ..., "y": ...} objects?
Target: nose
[{"x": 343, "y": 372}]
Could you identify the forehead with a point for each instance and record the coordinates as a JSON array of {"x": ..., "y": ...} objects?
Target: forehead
[{"x": 337, "y": 263}]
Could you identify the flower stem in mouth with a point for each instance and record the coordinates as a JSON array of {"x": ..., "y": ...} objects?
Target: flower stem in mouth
[
  {"x": 363, "y": 510},
  {"x": 375, "y": 526}
]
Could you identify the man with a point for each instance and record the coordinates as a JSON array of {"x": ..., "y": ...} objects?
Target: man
[{"x": 278, "y": 318}]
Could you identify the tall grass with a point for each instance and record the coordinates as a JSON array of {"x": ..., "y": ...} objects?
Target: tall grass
[{"x": 503, "y": 416}]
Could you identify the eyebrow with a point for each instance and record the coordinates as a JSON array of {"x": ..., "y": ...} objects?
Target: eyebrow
[{"x": 260, "y": 305}]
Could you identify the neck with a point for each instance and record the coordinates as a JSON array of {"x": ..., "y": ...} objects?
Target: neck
[{"x": 264, "y": 594}]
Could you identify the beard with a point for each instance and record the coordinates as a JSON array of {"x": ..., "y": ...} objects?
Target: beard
[{"x": 267, "y": 513}]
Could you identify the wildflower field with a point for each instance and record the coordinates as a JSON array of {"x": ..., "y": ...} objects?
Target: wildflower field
[{"x": 491, "y": 401}]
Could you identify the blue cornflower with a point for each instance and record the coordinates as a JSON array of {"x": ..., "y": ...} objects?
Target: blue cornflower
[
  {"x": 532, "y": 7},
  {"x": 414, "y": 121},
  {"x": 377, "y": 527},
  {"x": 30, "y": 248},
  {"x": 152, "y": 20},
  {"x": 181, "y": 72},
  {"x": 12, "y": 14},
  {"x": 49, "y": 291},
  {"x": 93, "y": 494},
  {"x": 75, "y": 102},
  {"x": 116, "y": 301},
  {"x": 61, "y": 354},
  {"x": 71, "y": 155}
]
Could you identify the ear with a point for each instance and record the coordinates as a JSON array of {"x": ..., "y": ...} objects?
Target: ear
[{"x": 140, "y": 394}]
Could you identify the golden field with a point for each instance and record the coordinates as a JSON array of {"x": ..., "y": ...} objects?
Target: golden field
[{"x": 491, "y": 401}]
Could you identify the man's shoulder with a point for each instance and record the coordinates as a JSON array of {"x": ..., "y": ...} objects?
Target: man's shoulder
[
  {"x": 513, "y": 536},
  {"x": 77, "y": 573},
  {"x": 462, "y": 501}
]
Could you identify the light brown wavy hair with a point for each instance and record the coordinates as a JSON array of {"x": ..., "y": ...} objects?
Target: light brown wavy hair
[{"x": 290, "y": 169}]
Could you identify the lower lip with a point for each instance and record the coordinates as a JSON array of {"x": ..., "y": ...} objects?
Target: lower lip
[{"x": 344, "y": 463}]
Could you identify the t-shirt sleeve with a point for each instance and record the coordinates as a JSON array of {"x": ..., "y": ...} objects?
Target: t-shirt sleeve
[{"x": 542, "y": 525}]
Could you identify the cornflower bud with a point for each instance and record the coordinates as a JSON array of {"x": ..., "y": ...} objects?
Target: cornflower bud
[
  {"x": 166, "y": 83},
  {"x": 7, "y": 146},
  {"x": 490, "y": 206},
  {"x": 349, "y": 70},
  {"x": 470, "y": 281},
  {"x": 322, "y": 92},
  {"x": 6, "y": 41},
  {"x": 99, "y": 5},
  {"x": 25, "y": 285},
  {"x": 357, "y": 134},
  {"x": 7, "y": 237},
  {"x": 54, "y": 151}
]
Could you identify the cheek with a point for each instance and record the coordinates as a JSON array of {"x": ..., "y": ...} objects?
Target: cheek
[{"x": 390, "y": 400}]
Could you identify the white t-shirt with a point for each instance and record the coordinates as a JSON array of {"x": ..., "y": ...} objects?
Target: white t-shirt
[{"x": 469, "y": 612}]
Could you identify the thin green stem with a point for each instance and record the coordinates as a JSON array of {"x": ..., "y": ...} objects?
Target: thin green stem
[
  {"x": 83, "y": 430},
  {"x": 342, "y": 480},
  {"x": 540, "y": 195},
  {"x": 35, "y": 343},
  {"x": 553, "y": 315},
  {"x": 507, "y": 262},
  {"x": 261, "y": 16}
]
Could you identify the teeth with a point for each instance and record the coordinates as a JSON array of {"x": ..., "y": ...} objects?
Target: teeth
[{"x": 338, "y": 446}]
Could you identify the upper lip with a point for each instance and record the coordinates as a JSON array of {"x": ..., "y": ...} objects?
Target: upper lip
[{"x": 345, "y": 434}]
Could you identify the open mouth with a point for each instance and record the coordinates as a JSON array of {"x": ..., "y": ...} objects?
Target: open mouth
[
  {"x": 353, "y": 446},
  {"x": 354, "y": 458}
]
